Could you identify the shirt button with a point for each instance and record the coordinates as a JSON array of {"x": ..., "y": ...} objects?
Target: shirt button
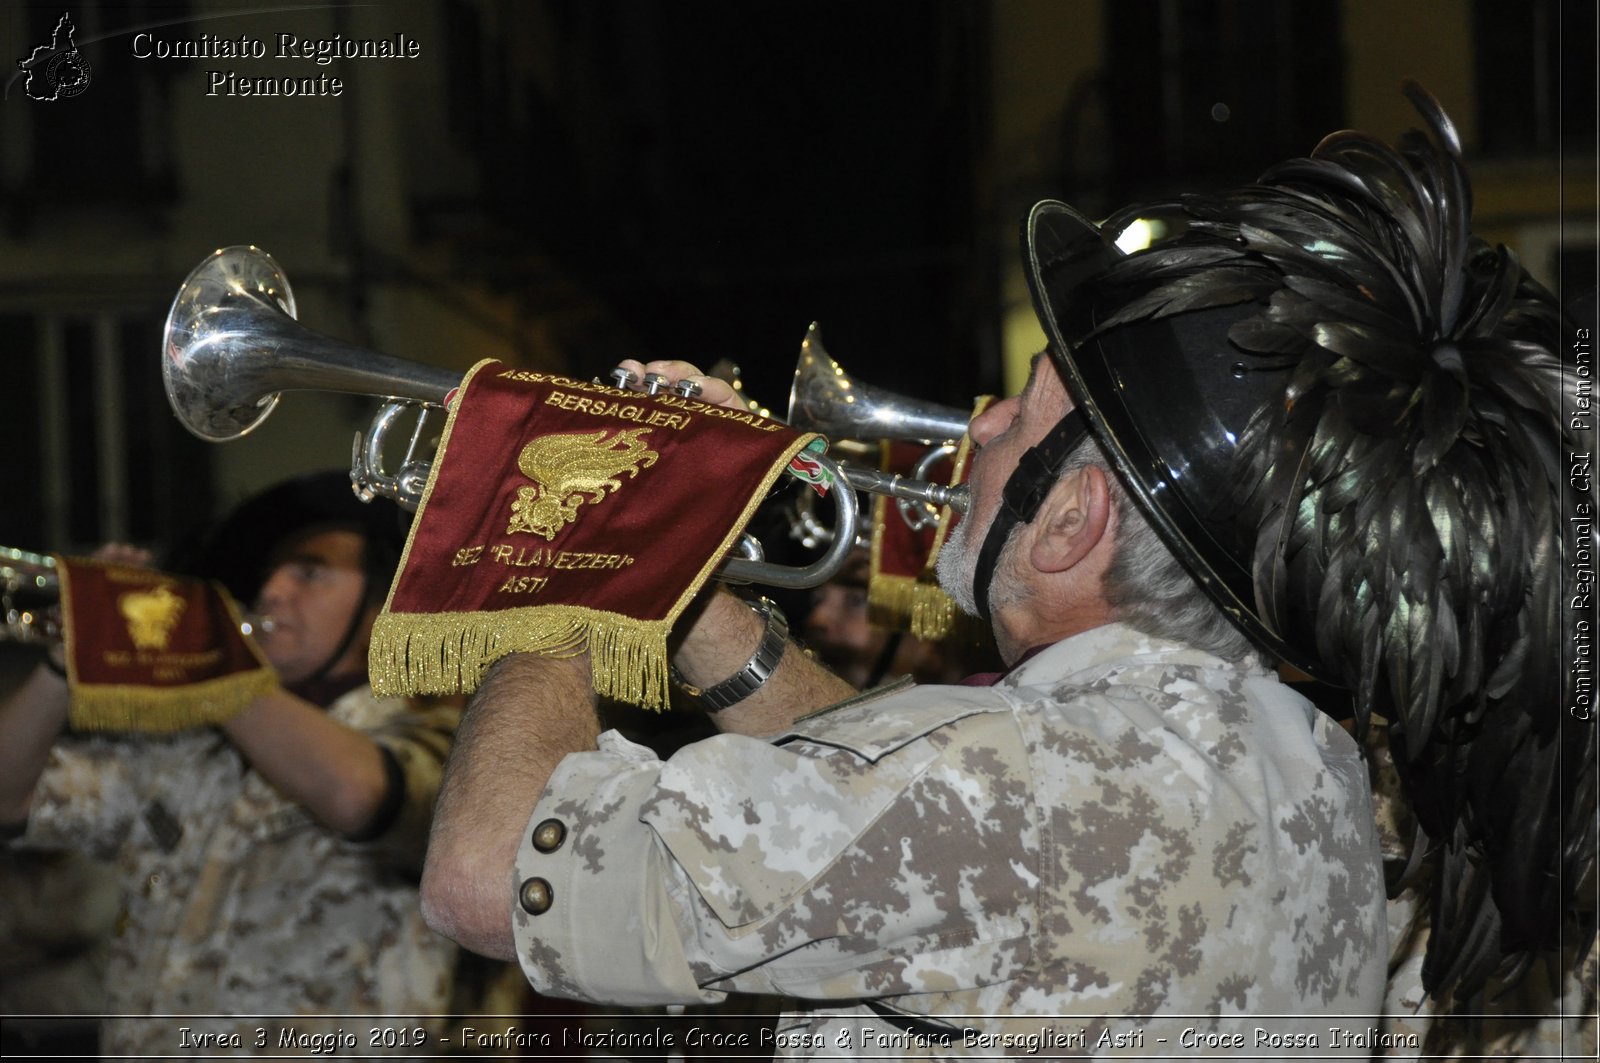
[
  {"x": 535, "y": 896},
  {"x": 548, "y": 835}
]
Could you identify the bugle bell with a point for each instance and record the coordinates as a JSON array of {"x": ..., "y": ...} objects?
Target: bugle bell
[
  {"x": 824, "y": 398},
  {"x": 232, "y": 344}
]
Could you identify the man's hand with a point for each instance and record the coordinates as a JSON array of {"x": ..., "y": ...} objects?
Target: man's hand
[{"x": 713, "y": 390}]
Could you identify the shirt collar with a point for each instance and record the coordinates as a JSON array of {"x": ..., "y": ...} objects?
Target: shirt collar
[{"x": 1090, "y": 654}]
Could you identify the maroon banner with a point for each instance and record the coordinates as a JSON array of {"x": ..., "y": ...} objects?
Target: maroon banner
[
  {"x": 564, "y": 515},
  {"x": 150, "y": 651}
]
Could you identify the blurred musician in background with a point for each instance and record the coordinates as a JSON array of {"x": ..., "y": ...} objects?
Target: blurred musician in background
[{"x": 270, "y": 863}]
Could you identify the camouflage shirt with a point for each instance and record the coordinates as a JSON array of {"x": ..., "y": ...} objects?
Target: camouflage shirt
[
  {"x": 1125, "y": 847},
  {"x": 239, "y": 904}
]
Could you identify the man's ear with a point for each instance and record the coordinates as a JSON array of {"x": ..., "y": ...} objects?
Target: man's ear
[{"x": 1072, "y": 521}]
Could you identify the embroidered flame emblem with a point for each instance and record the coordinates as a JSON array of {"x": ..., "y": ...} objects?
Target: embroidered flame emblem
[
  {"x": 571, "y": 469},
  {"x": 151, "y": 615}
]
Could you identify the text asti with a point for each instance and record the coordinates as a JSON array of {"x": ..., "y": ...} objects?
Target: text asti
[{"x": 524, "y": 557}]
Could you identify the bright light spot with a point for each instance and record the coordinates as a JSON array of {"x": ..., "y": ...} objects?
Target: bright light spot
[{"x": 1137, "y": 235}]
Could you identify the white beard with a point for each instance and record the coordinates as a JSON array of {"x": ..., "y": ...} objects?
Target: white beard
[{"x": 958, "y": 565}]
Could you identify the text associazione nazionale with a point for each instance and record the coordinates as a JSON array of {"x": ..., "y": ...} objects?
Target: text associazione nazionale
[{"x": 288, "y": 47}]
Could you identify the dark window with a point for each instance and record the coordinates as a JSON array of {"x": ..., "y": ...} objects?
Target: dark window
[
  {"x": 1575, "y": 270},
  {"x": 97, "y": 453},
  {"x": 1214, "y": 91},
  {"x": 684, "y": 185},
  {"x": 168, "y": 470},
  {"x": 19, "y": 382},
  {"x": 109, "y": 143},
  {"x": 83, "y": 426},
  {"x": 1535, "y": 70}
]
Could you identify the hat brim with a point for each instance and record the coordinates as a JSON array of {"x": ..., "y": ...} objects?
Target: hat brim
[{"x": 238, "y": 549}]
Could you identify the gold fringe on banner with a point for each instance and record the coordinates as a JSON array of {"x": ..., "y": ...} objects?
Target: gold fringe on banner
[
  {"x": 923, "y": 608},
  {"x": 446, "y": 653},
  {"x": 161, "y": 710},
  {"x": 933, "y": 613}
]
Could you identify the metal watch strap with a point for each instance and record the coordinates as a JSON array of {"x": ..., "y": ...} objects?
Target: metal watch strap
[{"x": 758, "y": 669}]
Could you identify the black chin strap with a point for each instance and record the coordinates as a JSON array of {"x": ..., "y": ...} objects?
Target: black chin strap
[
  {"x": 350, "y": 632},
  {"x": 1024, "y": 493}
]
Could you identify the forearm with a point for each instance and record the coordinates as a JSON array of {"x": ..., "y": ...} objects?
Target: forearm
[
  {"x": 528, "y": 714},
  {"x": 335, "y": 772},
  {"x": 719, "y": 643},
  {"x": 30, "y": 722}
]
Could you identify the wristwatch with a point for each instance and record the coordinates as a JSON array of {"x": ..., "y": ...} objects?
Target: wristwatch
[{"x": 756, "y": 671}]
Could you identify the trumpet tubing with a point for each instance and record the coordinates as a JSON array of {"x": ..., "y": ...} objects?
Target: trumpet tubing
[
  {"x": 824, "y": 398},
  {"x": 33, "y": 576}
]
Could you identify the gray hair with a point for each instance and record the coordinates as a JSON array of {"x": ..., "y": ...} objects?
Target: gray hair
[{"x": 1149, "y": 588}]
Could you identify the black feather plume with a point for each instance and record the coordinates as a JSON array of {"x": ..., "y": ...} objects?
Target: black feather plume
[{"x": 1404, "y": 493}]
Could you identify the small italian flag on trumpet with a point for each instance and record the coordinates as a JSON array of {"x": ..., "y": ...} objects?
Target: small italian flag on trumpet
[{"x": 805, "y": 468}]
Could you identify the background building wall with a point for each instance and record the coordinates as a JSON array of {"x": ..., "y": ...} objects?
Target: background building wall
[{"x": 563, "y": 184}]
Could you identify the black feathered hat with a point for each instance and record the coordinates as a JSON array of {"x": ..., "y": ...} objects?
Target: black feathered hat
[
  {"x": 1168, "y": 397},
  {"x": 1343, "y": 412}
]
